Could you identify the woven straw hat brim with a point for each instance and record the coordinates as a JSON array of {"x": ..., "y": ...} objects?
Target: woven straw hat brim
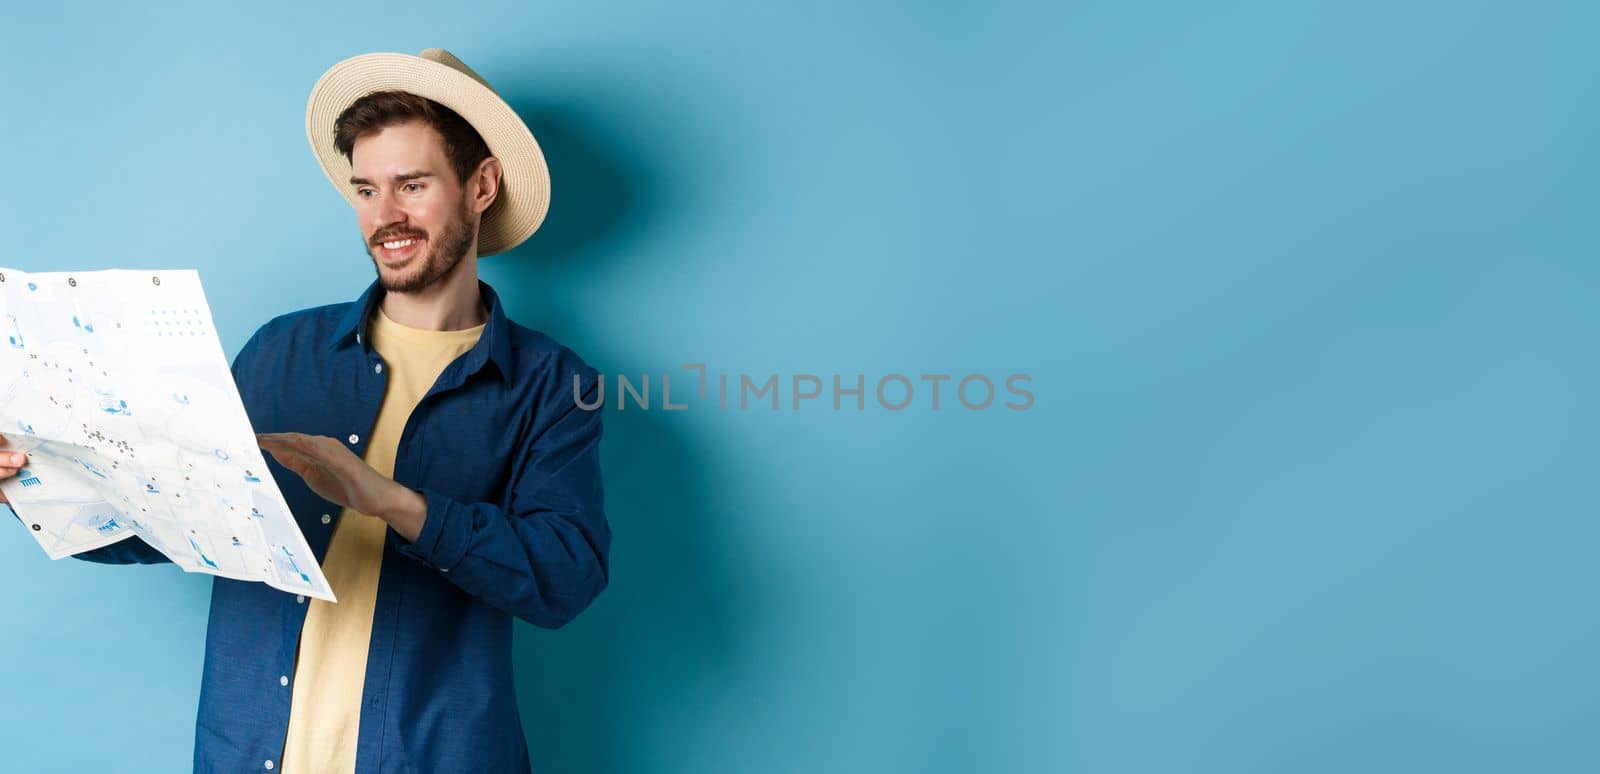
[{"x": 524, "y": 196}]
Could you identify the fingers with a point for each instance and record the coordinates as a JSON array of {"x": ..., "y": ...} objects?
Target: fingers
[
  {"x": 282, "y": 440},
  {"x": 10, "y": 459},
  {"x": 286, "y": 437},
  {"x": 318, "y": 447},
  {"x": 275, "y": 444},
  {"x": 290, "y": 458},
  {"x": 274, "y": 447},
  {"x": 10, "y": 463},
  {"x": 280, "y": 444}
]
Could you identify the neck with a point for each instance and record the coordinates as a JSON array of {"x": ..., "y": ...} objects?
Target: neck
[{"x": 451, "y": 304}]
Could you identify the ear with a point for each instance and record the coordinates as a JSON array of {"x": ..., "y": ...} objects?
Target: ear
[{"x": 484, "y": 184}]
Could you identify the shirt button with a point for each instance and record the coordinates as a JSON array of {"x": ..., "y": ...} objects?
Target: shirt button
[
  {"x": 283, "y": 679},
  {"x": 299, "y": 599},
  {"x": 268, "y": 764},
  {"x": 354, "y": 438},
  {"x": 326, "y": 519},
  {"x": 377, "y": 368}
]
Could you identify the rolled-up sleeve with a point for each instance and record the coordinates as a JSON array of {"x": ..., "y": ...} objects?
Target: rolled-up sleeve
[
  {"x": 543, "y": 558},
  {"x": 129, "y": 550}
]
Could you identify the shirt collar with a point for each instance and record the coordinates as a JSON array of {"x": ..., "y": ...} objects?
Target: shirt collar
[{"x": 494, "y": 344}]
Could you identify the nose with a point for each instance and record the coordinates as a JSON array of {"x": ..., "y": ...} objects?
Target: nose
[{"x": 384, "y": 215}]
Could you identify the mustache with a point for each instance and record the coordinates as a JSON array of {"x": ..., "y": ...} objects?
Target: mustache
[{"x": 391, "y": 236}]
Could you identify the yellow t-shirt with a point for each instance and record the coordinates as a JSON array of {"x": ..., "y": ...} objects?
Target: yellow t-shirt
[{"x": 325, "y": 714}]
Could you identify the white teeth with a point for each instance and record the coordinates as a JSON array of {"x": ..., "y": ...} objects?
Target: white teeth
[{"x": 399, "y": 244}]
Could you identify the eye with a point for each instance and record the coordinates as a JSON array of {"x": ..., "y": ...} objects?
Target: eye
[
  {"x": 363, "y": 192},
  {"x": 413, "y": 186}
]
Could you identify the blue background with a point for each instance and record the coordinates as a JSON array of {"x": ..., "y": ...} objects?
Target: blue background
[{"x": 1306, "y": 290}]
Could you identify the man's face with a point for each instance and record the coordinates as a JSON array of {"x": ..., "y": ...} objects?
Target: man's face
[{"x": 414, "y": 214}]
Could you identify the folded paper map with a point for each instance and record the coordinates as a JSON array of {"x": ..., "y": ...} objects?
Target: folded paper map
[{"x": 116, "y": 385}]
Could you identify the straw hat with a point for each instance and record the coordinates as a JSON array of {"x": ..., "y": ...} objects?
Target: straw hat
[{"x": 437, "y": 75}]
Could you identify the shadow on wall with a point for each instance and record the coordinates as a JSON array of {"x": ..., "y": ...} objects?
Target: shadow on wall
[
  {"x": 664, "y": 626},
  {"x": 598, "y": 195}
]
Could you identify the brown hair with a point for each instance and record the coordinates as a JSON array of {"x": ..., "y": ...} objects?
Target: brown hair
[{"x": 377, "y": 111}]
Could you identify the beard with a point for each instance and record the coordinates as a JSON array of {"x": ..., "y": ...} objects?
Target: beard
[{"x": 442, "y": 257}]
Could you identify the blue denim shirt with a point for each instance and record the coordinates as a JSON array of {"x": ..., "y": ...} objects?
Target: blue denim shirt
[{"x": 510, "y": 465}]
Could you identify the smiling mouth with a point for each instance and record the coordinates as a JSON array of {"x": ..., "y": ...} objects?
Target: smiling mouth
[{"x": 399, "y": 249}]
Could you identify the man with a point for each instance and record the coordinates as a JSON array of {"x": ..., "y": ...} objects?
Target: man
[{"x": 443, "y": 471}]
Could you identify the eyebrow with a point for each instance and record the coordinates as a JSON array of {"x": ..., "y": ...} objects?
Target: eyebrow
[{"x": 400, "y": 178}]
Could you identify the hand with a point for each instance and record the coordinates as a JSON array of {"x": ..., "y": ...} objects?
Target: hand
[
  {"x": 10, "y": 463},
  {"x": 336, "y": 474}
]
